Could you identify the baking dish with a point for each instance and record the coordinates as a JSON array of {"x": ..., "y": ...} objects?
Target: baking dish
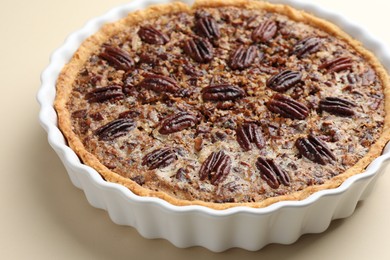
[{"x": 187, "y": 226}]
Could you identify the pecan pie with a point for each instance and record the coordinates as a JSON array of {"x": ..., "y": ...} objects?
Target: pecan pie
[{"x": 223, "y": 104}]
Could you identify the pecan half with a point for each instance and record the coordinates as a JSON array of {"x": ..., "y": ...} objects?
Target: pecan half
[
  {"x": 99, "y": 95},
  {"x": 271, "y": 173},
  {"x": 307, "y": 46},
  {"x": 177, "y": 122},
  {"x": 151, "y": 35},
  {"x": 314, "y": 149},
  {"x": 115, "y": 129},
  {"x": 222, "y": 92},
  {"x": 337, "y": 65},
  {"x": 287, "y": 107},
  {"x": 159, "y": 158},
  {"x": 243, "y": 57},
  {"x": 284, "y": 80},
  {"x": 265, "y": 31},
  {"x": 159, "y": 84},
  {"x": 199, "y": 49},
  {"x": 206, "y": 26},
  {"x": 216, "y": 167},
  {"x": 247, "y": 134},
  {"x": 117, "y": 58},
  {"x": 337, "y": 106}
]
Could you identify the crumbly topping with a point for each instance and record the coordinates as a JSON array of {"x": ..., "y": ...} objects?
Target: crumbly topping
[{"x": 227, "y": 105}]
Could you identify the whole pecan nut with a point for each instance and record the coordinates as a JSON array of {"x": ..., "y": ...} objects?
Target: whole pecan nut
[
  {"x": 206, "y": 26},
  {"x": 151, "y": 35},
  {"x": 159, "y": 158},
  {"x": 271, "y": 173},
  {"x": 307, "y": 46},
  {"x": 337, "y": 64},
  {"x": 222, "y": 92},
  {"x": 265, "y": 31},
  {"x": 177, "y": 122},
  {"x": 115, "y": 129},
  {"x": 243, "y": 57},
  {"x": 159, "y": 84},
  {"x": 284, "y": 80},
  {"x": 247, "y": 134},
  {"x": 337, "y": 106},
  {"x": 314, "y": 149},
  {"x": 216, "y": 167},
  {"x": 199, "y": 49},
  {"x": 117, "y": 58},
  {"x": 99, "y": 95},
  {"x": 287, "y": 107}
]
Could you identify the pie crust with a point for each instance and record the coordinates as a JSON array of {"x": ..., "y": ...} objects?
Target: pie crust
[{"x": 93, "y": 44}]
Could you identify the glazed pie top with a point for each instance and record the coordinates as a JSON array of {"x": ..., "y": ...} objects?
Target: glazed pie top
[{"x": 226, "y": 103}]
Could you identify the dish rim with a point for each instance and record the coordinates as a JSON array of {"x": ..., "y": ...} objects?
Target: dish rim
[{"x": 59, "y": 58}]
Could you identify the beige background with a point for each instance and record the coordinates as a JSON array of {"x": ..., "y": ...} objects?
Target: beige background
[{"x": 44, "y": 217}]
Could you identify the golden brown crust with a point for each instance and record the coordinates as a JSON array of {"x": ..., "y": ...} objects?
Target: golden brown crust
[{"x": 91, "y": 45}]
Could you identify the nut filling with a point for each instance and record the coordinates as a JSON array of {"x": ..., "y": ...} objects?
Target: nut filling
[{"x": 226, "y": 105}]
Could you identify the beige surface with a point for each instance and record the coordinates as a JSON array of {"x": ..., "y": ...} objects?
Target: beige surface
[{"x": 43, "y": 216}]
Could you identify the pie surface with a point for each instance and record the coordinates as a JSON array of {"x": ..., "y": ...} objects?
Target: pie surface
[{"x": 224, "y": 104}]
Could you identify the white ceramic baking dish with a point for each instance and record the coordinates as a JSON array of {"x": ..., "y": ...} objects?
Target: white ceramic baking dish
[{"x": 242, "y": 227}]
